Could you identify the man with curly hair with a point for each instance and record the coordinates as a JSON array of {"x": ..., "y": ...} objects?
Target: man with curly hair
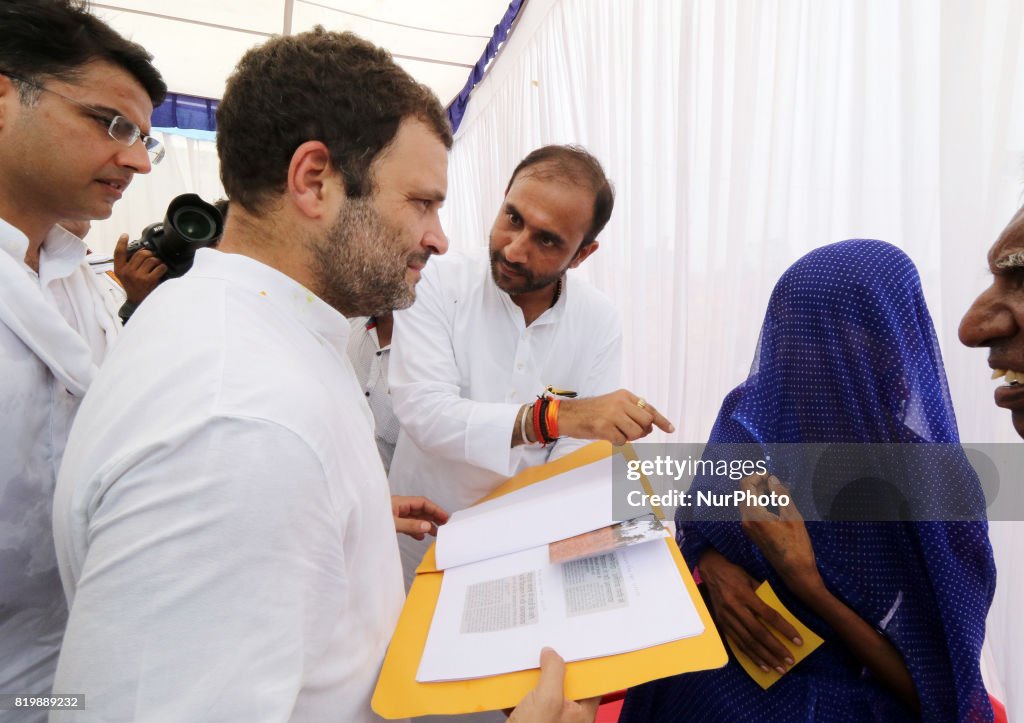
[{"x": 224, "y": 528}]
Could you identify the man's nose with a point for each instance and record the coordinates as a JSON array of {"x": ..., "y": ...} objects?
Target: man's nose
[
  {"x": 987, "y": 320},
  {"x": 135, "y": 157},
  {"x": 517, "y": 250},
  {"x": 435, "y": 240}
]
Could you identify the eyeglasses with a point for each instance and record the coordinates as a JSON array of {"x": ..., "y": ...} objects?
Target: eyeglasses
[{"x": 119, "y": 128}]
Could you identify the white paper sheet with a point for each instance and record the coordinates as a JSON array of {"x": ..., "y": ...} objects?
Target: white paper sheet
[
  {"x": 494, "y": 616},
  {"x": 563, "y": 506}
]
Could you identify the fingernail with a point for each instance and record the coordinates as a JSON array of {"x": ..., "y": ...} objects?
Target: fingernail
[
  {"x": 790, "y": 661},
  {"x": 764, "y": 667},
  {"x": 780, "y": 670},
  {"x": 797, "y": 641}
]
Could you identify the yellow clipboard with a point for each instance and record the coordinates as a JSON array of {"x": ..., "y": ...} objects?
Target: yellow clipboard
[{"x": 398, "y": 695}]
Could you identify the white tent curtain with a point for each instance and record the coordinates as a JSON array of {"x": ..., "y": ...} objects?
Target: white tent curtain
[
  {"x": 196, "y": 43},
  {"x": 739, "y": 136},
  {"x": 189, "y": 166}
]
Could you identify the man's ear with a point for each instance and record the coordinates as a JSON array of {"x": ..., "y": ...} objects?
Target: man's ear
[
  {"x": 8, "y": 95},
  {"x": 313, "y": 182},
  {"x": 582, "y": 253}
]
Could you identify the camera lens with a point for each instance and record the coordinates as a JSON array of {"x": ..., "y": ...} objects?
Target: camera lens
[{"x": 194, "y": 224}]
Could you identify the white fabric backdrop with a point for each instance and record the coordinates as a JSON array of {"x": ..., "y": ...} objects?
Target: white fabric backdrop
[
  {"x": 190, "y": 166},
  {"x": 739, "y": 136}
]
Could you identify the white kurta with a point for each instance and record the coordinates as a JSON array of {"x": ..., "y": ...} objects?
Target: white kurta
[
  {"x": 55, "y": 327},
  {"x": 222, "y": 519},
  {"x": 464, "y": 362}
]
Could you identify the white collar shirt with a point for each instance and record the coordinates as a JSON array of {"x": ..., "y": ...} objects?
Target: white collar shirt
[
  {"x": 222, "y": 520},
  {"x": 55, "y": 328},
  {"x": 464, "y": 362},
  {"x": 370, "y": 361}
]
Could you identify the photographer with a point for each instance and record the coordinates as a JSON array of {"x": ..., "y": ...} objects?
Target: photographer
[
  {"x": 138, "y": 275},
  {"x": 165, "y": 250},
  {"x": 75, "y": 103},
  {"x": 131, "y": 279}
]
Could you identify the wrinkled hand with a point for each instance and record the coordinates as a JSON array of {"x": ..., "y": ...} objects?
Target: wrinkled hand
[
  {"x": 743, "y": 616},
  {"x": 782, "y": 538},
  {"x": 546, "y": 703},
  {"x": 615, "y": 417},
  {"x": 416, "y": 516},
  {"x": 140, "y": 274}
]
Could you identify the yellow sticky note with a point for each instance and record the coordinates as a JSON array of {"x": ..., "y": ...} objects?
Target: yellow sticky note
[{"x": 797, "y": 652}]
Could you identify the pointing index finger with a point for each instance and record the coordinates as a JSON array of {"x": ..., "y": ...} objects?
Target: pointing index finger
[
  {"x": 659, "y": 420},
  {"x": 656, "y": 417}
]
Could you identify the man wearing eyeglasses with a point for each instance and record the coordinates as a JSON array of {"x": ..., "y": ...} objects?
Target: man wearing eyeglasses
[{"x": 75, "y": 103}]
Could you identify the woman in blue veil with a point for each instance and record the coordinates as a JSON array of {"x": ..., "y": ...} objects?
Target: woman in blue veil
[{"x": 848, "y": 355}]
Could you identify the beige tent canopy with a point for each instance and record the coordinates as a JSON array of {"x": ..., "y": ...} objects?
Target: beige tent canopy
[{"x": 196, "y": 43}]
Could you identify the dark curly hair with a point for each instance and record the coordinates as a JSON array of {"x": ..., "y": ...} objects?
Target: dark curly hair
[
  {"x": 577, "y": 166},
  {"x": 54, "y": 39},
  {"x": 333, "y": 87}
]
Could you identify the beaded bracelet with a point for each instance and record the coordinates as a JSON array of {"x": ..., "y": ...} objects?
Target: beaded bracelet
[
  {"x": 545, "y": 419},
  {"x": 544, "y": 405},
  {"x": 537, "y": 431}
]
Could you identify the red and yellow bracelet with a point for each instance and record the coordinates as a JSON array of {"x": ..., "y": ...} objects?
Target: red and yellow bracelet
[{"x": 552, "y": 418}]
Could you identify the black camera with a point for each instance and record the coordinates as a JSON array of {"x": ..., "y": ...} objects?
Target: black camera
[{"x": 190, "y": 224}]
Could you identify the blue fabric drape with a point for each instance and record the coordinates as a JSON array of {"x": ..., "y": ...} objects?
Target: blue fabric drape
[
  {"x": 457, "y": 108},
  {"x": 186, "y": 111},
  {"x": 848, "y": 354},
  {"x": 192, "y": 112}
]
